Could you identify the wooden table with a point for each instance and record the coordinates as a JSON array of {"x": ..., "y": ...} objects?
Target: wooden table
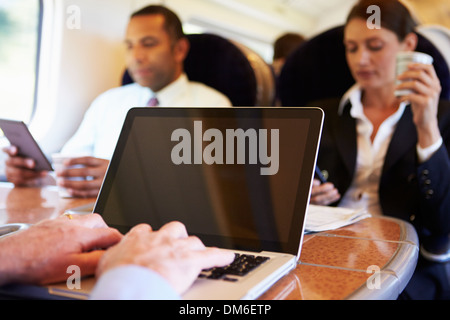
[{"x": 371, "y": 259}]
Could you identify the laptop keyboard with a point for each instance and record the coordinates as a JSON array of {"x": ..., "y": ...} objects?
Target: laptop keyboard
[{"x": 242, "y": 265}]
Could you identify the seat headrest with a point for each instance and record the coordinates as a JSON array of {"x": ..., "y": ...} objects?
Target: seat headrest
[{"x": 218, "y": 63}]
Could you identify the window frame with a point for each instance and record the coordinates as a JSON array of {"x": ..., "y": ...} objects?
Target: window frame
[{"x": 38, "y": 58}]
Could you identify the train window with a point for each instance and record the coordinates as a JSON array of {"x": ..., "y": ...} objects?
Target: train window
[{"x": 20, "y": 22}]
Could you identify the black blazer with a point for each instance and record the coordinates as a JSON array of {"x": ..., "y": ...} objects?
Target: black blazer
[
  {"x": 412, "y": 191},
  {"x": 419, "y": 193}
]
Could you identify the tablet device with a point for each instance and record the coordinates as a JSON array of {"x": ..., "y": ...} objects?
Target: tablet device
[{"x": 18, "y": 135}]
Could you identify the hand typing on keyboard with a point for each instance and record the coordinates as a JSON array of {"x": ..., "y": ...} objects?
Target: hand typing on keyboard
[{"x": 170, "y": 252}]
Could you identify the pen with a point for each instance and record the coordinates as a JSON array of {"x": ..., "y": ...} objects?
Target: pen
[{"x": 320, "y": 175}]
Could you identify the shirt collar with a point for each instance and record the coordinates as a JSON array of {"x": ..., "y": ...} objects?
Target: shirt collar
[
  {"x": 166, "y": 94},
  {"x": 169, "y": 92},
  {"x": 353, "y": 95}
]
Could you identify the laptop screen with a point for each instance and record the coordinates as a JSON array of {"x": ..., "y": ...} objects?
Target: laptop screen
[{"x": 238, "y": 178}]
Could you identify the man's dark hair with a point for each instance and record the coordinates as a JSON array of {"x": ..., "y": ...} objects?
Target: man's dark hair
[
  {"x": 285, "y": 44},
  {"x": 172, "y": 23}
]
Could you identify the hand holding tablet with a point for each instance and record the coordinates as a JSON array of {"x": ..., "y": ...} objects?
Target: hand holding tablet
[{"x": 19, "y": 136}]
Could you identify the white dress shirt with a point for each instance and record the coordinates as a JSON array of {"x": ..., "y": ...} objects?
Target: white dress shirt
[
  {"x": 131, "y": 282},
  {"x": 100, "y": 129},
  {"x": 363, "y": 191}
]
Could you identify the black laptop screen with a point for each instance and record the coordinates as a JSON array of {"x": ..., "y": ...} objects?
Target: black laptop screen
[{"x": 238, "y": 178}]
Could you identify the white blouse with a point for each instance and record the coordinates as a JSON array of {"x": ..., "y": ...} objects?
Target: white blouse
[{"x": 363, "y": 191}]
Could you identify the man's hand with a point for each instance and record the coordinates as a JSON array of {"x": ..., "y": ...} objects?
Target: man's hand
[
  {"x": 42, "y": 253},
  {"x": 19, "y": 170},
  {"x": 170, "y": 252},
  {"x": 91, "y": 170}
]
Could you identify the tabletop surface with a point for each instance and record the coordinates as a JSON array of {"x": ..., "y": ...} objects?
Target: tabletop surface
[{"x": 371, "y": 259}]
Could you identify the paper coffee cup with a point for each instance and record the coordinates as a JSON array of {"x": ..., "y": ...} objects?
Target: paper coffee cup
[
  {"x": 58, "y": 164},
  {"x": 403, "y": 60}
]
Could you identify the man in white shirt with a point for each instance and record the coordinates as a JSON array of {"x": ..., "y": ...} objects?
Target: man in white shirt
[{"x": 155, "y": 51}]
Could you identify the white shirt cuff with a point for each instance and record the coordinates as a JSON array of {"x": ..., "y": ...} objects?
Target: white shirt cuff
[
  {"x": 130, "y": 282},
  {"x": 425, "y": 154}
]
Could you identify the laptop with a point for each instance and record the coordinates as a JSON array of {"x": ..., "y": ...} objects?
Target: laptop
[{"x": 238, "y": 178}]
